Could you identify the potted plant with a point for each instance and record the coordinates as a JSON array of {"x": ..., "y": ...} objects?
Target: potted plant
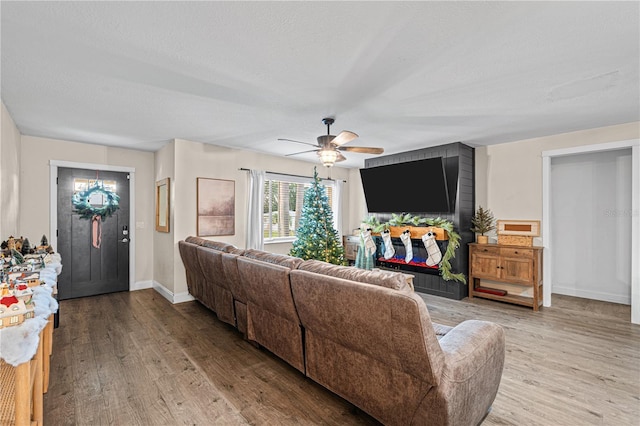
[{"x": 482, "y": 222}]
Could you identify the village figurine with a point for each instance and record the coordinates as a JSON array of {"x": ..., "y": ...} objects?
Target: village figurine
[
  {"x": 11, "y": 243},
  {"x": 32, "y": 280},
  {"x": 14, "y": 311},
  {"x": 44, "y": 246},
  {"x": 18, "y": 243},
  {"x": 26, "y": 247},
  {"x": 17, "y": 256},
  {"x": 23, "y": 292}
]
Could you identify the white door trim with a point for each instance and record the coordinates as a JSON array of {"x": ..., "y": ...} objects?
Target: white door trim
[
  {"x": 634, "y": 144},
  {"x": 53, "y": 204}
]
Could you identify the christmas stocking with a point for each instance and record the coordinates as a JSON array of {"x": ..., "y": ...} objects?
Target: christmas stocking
[
  {"x": 435, "y": 256},
  {"x": 389, "y": 251},
  {"x": 369, "y": 245},
  {"x": 405, "y": 237}
]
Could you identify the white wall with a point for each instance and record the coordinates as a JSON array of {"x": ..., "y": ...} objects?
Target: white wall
[
  {"x": 509, "y": 175},
  {"x": 508, "y": 181},
  {"x": 9, "y": 177},
  {"x": 357, "y": 203},
  {"x": 164, "y": 243},
  {"x": 194, "y": 159},
  {"x": 34, "y": 190}
]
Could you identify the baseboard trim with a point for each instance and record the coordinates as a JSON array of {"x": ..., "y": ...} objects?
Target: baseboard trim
[
  {"x": 182, "y": 297},
  {"x": 170, "y": 296},
  {"x": 596, "y": 295},
  {"x": 141, "y": 285},
  {"x": 164, "y": 292}
]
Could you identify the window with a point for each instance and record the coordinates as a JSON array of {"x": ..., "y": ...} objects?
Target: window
[{"x": 283, "y": 201}]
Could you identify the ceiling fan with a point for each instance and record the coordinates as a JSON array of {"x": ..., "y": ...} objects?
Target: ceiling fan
[{"x": 329, "y": 146}]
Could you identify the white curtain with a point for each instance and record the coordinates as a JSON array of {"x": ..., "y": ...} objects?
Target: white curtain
[
  {"x": 255, "y": 231},
  {"x": 337, "y": 206}
]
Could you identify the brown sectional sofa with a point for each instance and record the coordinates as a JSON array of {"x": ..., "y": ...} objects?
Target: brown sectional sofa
[
  {"x": 195, "y": 277},
  {"x": 364, "y": 335},
  {"x": 218, "y": 291},
  {"x": 231, "y": 274},
  {"x": 272, "y": 319}
]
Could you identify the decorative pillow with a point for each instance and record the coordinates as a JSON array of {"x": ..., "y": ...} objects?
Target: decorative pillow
[{"x": 388, "y": 279}]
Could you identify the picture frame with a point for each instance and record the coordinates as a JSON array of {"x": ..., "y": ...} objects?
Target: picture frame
[
  {"x": 215, "y": 207},
  {"x": 528, "y": 228},
  {"x": 163, "y": 188}
]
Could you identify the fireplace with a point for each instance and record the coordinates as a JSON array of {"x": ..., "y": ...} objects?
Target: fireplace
[
  {"x": 459, "y": 164},
  {"x": 417, "y": 264}
]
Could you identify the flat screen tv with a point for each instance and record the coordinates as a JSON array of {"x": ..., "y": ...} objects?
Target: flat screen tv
[{"x": 411, "y": 187}]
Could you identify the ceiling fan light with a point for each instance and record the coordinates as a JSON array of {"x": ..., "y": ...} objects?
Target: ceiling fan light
[{"x": 328, "y": 157}]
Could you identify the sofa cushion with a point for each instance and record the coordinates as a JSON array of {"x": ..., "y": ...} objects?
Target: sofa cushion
[
  {"x": 217, "y": 288},
  {"x": 277, "y": 259},
  {"x": 440, "y": 329},
  {"x": 272, "y": 319},
  {"x": 373, "y": 346},
  {"x": 196, "y": 282},
  {"x": 195, "y": 240},
  {"x": 388, "y": 279},
  {"x": 218, "y": 245}
]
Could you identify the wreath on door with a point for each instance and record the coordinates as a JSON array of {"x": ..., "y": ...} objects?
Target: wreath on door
[{"x": 82, "y": 205}]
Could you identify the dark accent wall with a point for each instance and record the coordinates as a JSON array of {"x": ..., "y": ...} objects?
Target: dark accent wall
[{"x": 459, "y": 163}]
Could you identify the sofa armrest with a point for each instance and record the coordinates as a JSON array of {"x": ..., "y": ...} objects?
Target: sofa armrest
[
  {"x": 468, "y": 383},
  {"x": 470, "y": 347}
]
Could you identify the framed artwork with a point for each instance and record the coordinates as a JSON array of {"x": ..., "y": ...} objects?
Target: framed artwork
[
  {"x": 530, "y": 228},
  {"x": 216, "y": 207},
  {"x": 162, "y": 205}
]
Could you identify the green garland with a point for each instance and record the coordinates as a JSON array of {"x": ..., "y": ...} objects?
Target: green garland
[
  {"x": 81, "y": 204},
  {"x": 408, "y": 219}
]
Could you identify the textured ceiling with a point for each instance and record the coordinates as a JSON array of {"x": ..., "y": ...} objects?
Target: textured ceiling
[{"x": 243, "y": 74}]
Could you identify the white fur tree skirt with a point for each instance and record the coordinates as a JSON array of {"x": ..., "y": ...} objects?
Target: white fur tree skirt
[{"x": 18, "y": 344}]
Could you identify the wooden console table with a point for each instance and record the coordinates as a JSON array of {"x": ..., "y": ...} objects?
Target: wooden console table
[
  {"x": 517, "y": 265},
  {"x": 21, "y": 399}
]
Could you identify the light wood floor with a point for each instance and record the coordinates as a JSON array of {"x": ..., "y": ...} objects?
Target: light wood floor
[{"x": 135, "y": 359}]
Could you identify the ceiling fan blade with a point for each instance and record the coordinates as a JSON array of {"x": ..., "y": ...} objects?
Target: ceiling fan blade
[
  {"x": 344, "y": 137},
  {"x": 340, "y": 157},
  {"x": 301, "y": 152},
  {"x": 291, "y": 140},
  {"x": 362, "y": 149}
]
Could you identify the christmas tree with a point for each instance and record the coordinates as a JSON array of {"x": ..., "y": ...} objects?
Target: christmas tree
[
  {"x": 26, "y": 246},
  {"x": 482, "y": 221},
  {"x": 316, "y": 238}
]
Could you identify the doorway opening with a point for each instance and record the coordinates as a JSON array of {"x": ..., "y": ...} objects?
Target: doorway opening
[{"x": 591, "y": 223}]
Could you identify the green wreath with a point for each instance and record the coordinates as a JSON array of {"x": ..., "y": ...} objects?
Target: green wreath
[{"x": 81, "y": 204}]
